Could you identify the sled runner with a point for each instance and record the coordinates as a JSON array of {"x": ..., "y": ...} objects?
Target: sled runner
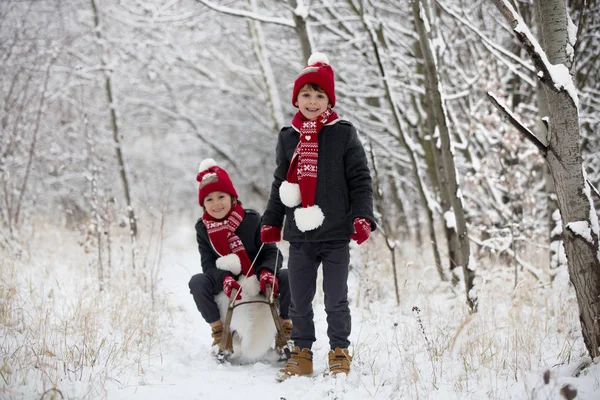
[{"x": 225, "y": 346}]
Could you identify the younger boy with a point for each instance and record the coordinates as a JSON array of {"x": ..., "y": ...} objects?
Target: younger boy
[
  {"x": 228, "y": 237},
  {"x": 322, "y": 185}
]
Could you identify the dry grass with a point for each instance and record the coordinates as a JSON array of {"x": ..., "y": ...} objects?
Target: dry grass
[
  {"x": 432, "y": 346},
  {"x": 60, "y": 334}
]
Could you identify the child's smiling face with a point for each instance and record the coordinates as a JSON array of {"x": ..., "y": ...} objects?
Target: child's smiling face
[
  {"x": 312, "y": 103},
  {"x": 218, "y": 204}
]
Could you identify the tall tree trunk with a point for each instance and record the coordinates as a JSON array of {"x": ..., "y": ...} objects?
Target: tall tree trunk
[
  {"x": 434, "y": 157},
  {"x": 563, "y": 155},
  {"x": 301, "y": 29},
  {"x": 402, "y": 137},
  {"x": 449, "y": 182},
  {"x": 115, "y": 124},
  {"x": 553, "y": 217},
  {"x": 32, "y": 147},
  {"x": 274, "y": 103},
  {"x": 386, "y": 227}
]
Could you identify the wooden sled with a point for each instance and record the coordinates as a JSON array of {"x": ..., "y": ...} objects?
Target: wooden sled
[{"x": 226, "y": 351}]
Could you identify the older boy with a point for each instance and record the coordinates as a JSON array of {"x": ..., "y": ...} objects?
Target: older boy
[{"x": 322, "y": 184}]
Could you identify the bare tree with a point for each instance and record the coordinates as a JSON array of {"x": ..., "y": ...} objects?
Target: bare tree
[
  {"x": 262, "y": 56},
  {"x": 400, "y": 133},
  {"x": 455, "y": 218},
  {"x": 116, "y": 133}
]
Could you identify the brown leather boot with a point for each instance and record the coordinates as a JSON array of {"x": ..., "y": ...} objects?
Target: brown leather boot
[
  {"x": 282, "y": 341},
  {"x": 339, "y": 361},
  {"x": 300, "y": 363},
  {"x": 217, "y": 335}
]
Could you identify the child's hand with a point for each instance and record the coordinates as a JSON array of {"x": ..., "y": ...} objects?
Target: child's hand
[
  {"x": 228, "y": 284},
  {"x": 267, "y": 278},
  {"x": 270, "y": 234},
  {"x": 362, "y": 229}
]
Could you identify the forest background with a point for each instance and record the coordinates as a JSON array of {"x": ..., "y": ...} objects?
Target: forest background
[{"x": 109, "y": 106}]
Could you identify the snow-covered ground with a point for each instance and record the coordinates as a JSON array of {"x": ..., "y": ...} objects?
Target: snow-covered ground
[{"x": 135, "y": 345}]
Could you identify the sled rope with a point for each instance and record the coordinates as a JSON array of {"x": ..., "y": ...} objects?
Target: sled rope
[
  {"x": 234, "y": 291},
  {"x": 224, "y": 350}
]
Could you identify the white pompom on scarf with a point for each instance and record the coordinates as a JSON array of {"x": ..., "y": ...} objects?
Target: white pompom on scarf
[
  {"x": 289, "y": 193},
  {"x": 309, "y": 218},
  {"x": 230, "y": 262}
]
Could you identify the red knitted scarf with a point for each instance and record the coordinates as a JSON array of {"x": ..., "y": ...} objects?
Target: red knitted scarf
[
  {"x": 223, "y": 238},
  {"x": 303, "y": 167}
]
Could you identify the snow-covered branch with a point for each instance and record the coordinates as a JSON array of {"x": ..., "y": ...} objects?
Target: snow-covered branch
[
  {"x": 248, "y": 14},
  {"x": 593, "y": 188},
  {"x": 487, "y": 42},
  {"x": 529, "y": 135},
  {"x": 556, "y": 77}
]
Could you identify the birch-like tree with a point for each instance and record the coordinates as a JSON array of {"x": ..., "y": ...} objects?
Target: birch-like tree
[{"x": 563, "y": 155}]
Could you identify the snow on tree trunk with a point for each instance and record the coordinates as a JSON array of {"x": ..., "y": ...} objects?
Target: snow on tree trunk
[
  {"x": 300, "y": 15},
  {"x": 565, "y": 163},
  {"x": 552, "y": 49},
  {"x": 563, "y": 155}
]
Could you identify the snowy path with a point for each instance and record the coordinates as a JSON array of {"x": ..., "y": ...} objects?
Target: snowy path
[
  {"x": 437, "y": 352},
  {"x": 187, "y": 371}
]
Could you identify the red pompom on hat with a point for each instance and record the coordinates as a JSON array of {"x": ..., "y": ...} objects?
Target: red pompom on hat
[
  {"x": 318, "y": 72},
  {"x": 213, "y": 178}
]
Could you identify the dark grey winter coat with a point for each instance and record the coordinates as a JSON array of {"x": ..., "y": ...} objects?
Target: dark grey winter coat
[
  {"x": 249, "y": 234},
  {"x": 344, "y": 185}
]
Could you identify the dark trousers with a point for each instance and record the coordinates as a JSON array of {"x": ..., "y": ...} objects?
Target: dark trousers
[
  {"x": 204, "y": 289},
  {"x": 303, "y": 263}
]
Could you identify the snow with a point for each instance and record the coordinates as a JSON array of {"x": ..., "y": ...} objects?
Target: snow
[
  {"x": 581, "y": 228},
  {"x": 559, "y": 73},
  {"x": 427, "y": 347},
  {"x": 450, "y": 219},
  {"x": 559, "y": 256},
  {"x": 572, "y": 35},
  {"x": 594, "y": 224},
  {"x": 302, "y": 10}
]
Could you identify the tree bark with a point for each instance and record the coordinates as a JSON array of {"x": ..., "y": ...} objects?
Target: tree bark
[{"x": 553, "y": 213}]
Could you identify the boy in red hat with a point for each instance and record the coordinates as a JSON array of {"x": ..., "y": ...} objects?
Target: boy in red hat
[
  {"x": 322, "y": 185},
  {"x": 228, "y": 239}
]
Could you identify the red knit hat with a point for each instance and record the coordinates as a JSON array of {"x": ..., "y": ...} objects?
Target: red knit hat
[
  {"x": 318, "y": 72},
  {"x": 213, "y": 179}
]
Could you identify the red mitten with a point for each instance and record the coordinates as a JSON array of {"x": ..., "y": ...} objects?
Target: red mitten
[
  {"x": 270, "y": 234},
  {"x": 267, "y": 278},
  {"x": 362, "y": 229},
  {"x": 228, "y": 284}
]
